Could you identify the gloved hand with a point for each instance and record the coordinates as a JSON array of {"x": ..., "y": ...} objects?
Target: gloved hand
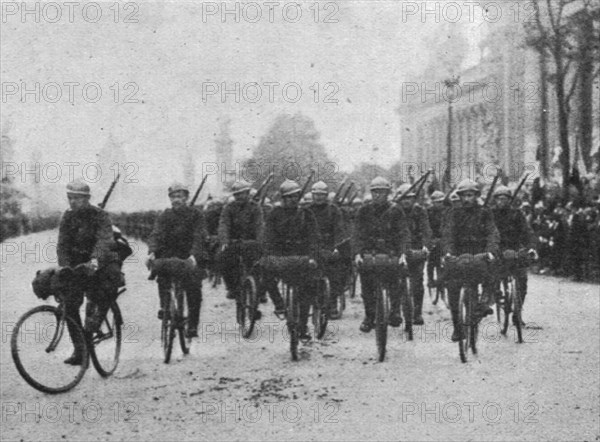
[
  {"x": 490, "y": 257},
  {"x": 533, "y": 254},
  {"x": 426, "y": 250},
  {"x": 92, "y": 265},
  {"x": 358, "y": 259},
  {"x": 192, "y": 260},
  {"x": 150, "y": 260},
  {"x": 402, "y": 260}
]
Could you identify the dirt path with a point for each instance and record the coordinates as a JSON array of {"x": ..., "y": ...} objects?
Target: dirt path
[{"x": 229, "y": 388}]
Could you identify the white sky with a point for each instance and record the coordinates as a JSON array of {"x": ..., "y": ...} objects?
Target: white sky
[{"x": 171, "y": 52}]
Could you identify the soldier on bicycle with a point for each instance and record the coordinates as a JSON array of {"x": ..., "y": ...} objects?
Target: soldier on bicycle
[
  {"x": 382, "y": 228},
  {"x": 180, "y": 232},
  {"x": 290, "y": 231},
  {"x": 515, "y": 234},
  {"x": 331, "y": 232},
  {"x": 435, "y": 213},
  {"x": 241, "y": 231},
  {"x": 470, "y": 229},
  {"x": 85, "y": 236},
  {"x": 420, "y": 233}
]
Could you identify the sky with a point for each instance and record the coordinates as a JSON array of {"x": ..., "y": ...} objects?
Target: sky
[{"x": 156, "y": 75}]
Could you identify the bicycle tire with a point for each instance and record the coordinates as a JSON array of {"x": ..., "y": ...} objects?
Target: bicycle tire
[
  {"x": 473, "y": 329},
  {"x": 182, "y": 321},
  {"x": 168, "y": 327},
  {"x": 517, "y": 314},
  {"x": 59, "y": 334},
  {"x": 505, "y": 309},
  {"x": 381, "y": 322},
  {"x": 461, "y": 323},
  {"x": 110, "y": 327},
  {"x": 321, "y": 307},
  {"x": 247, "y": 306},
  {"x": 293, "y": 321},
  {"x": 354, "y": 282}
]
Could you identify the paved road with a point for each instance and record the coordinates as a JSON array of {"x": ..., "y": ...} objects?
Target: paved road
[{"x": 229, "y": 388}]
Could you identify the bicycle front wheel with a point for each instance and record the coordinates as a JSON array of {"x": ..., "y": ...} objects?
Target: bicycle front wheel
[
  {"x": 41, "y": 342},
  {"x": 247, "y": 305},
  {"x": 183, "y": 315},
  {"x": 169, "y": 328},
  {"x": 293, "y": 321},
  {"x": 381, "y": 321},
  {"x": 321, "y": 307},
  {"x": 105, "y": 345}
]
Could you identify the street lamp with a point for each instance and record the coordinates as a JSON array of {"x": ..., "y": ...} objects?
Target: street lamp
[{"x": 450, "y": 85}]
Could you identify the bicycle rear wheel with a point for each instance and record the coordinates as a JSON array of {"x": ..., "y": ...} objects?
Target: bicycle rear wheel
[
  {"x": 293, "y": 320},
  {"x": 321, "y": 307},
  {"x": 40, "y": 343},
  {"x": 105, "y": 345},
  {"x": 382, "y": 311},
  {"x": 247, "y": 305}
]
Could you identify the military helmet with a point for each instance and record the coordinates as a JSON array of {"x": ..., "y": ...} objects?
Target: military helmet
[
  {"x": 78, "y": 187},
  {"x": 467, "y": 185},
  {"x": 289, "y": 187},
  {"x": 178, "y": 187},
  {"x": 368, "y": 197},
  {"x": 404, "y": 187},
  {"x": 239, "y": 187},
  {"x": 502, "y": 191},
  {"x": 380, "y": 183},
  {"x": 437, "y": 196},
  {"x": 454, "y": 197},
  {"x": 357, "y": 201},
  {"x": 307, "y": 198},
  {"x": 319, "y": 187},
  {"x": 331, "y": 196}
]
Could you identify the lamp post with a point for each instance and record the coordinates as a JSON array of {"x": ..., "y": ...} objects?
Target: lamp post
[{"x": 450, "y": 85}]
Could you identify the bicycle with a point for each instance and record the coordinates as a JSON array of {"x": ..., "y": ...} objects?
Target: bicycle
[
  {"x": 247, "y": 301},
  {"x": 39, "y": 345},
  {"x": 471, "y": 271},
  {"x": 510, "y": 302},
  {"x": 384, "y": 266},
  {"x": 294, "y": 271},
  {"x": 176, "y": 312}
]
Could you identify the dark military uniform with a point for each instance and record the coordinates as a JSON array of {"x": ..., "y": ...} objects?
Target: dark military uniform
[
  {"x": 179, "y": 234},
  {"x": 331, "y": 233},
  {"x": 515, "y": 234},
  {"x": 289, "y": 232},
  {"x": 241, "y": 229},
  {"x": 435, "y": 214},
  {"x": 212, "y": 215},
  {"x": 383, "y": 228},
  {"x": 468, "y": 230},
  {"x": 83, "y": 235},
  {"x": 420, "y": 234}
]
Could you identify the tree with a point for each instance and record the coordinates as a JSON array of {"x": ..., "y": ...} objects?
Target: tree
[
  {"x": 563, "y": 32},
  {"x": 291, "y": 149}
]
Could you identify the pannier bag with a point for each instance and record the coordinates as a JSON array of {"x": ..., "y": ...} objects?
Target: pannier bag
[
  {"x": 474, "y": 269},
  {"x": 382, "y": 264},
  {"x": 171, "y": 268},
  {"x": 293, "y": 270}
]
